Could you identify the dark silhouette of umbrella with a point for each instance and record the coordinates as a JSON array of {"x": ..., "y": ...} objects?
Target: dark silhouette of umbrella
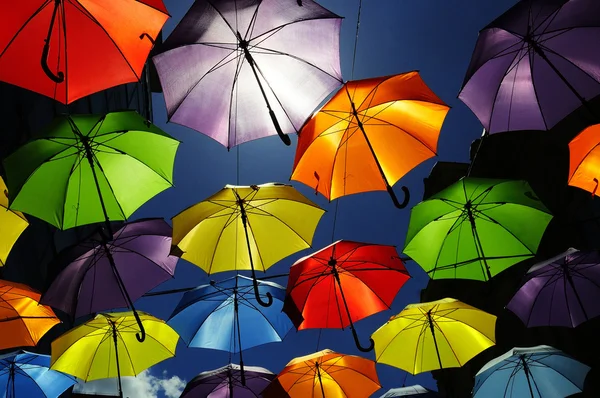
[
  {"x": 227, "y": 59},
  {"x": 563, "y": 291},
  {"x": 534, "y": 65}
]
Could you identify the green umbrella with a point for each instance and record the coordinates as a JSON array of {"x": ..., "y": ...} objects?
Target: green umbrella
[
  {"x": 85, "y": 169},
  {"x": 476, "y": 228}
]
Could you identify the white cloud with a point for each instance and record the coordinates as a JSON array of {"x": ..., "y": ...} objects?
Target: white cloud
[{"x": 143, "y": 385}]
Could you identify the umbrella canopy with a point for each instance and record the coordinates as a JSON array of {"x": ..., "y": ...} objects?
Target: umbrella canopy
[
  {"x": 84, "y": 46},
  {"x": 536, "y": 372},
  {"x": 23, "y": 321},
  {"x": 526, "y": 73},
  {"x": 104, "y": 347},
  {"x": 90, "y": 168},
  {"x": 238, "y": 71},
  {"x": 246, "y": 228},
  {"x": 25, "y": 374},
  {"x": 140, "y": 251},
  {"x": 435, "y": 335},
  {"x": 410, "y": 391},
  {"x": 369, "y": 135},
  {"x": 563, "y": 291},
  {"x": 326, "y": 374},
  {"x": 225, "y": 382},
  {"x": 343, "y": 283},
  {"x": 474, "y": 229},
  {"x": 12, "y": 225},
  {"x": 584, "y": 160}
]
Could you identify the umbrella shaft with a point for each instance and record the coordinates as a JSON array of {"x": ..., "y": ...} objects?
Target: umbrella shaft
[
  {"x": 526, "y": 370},
  {"x": 432, "y": 328},
  {"x": 320, "y": 380},
  {"x": 114, "y": 329}
]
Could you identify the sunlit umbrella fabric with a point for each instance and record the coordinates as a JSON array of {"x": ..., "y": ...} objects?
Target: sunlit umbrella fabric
[
  {"x": 326, "y": 374},
  {"x": 369, "y": 135},
  {"x": 85, "y": 46},
  {"x": 536, "y": 372},
  {"x": 23, "y": 321},
  {"x": 83, "y": 166},
  {"x": 25, "y": 374},
  {"x": 564, "y": 291},
  {"x": 233, "y": 70},
  {"x": 434, "y": 335},
  {"x": 416, "y": 391},
  {"x": 534, "y": 65},
  {"x": 12, "y": 224},
  {"x": 88, "y": 353},
  {"x": 141, "y": 254},
  {"x": 584, "y": 160},
  {"x": 226, "y": 382},
  {"x": 474, "y": 229}
]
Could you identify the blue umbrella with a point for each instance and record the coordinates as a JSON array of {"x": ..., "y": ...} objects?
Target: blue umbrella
[
  {"x": 26, "y": 374},
  {"x": 226, "y": 316},
  {"x": 416, "y": 390},
  {"x": 537, "y": 372}
]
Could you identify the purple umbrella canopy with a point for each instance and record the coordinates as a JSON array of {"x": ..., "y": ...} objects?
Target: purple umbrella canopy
[
  {"x": 563, "y": 291},
  {"x": 239, "y": 70},
  {"x": 226, "y": 382},
  {"x": 534, "y": 65},
  {"x": 140, "y": 250}
]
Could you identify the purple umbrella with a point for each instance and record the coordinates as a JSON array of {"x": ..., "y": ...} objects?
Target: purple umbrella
[
  {"x": 563, "y": 291},
  {"x": 226, "y": 382},
  {"x": 242, "y": 70},
  {"x": 534, "y": 65},
  {"x": 114, "y": 274}
]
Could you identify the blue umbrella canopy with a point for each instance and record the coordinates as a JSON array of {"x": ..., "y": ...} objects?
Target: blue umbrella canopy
[
  {"x": 536, "y": 372},
  {"x": 410, "y": 391},
  {"x": 226, "y": 316},
  {"x": 25, "y": 374}
]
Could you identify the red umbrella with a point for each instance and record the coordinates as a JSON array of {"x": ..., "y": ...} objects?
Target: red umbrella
[
  {"x": 343, "y": 283},
  {"x": 68, "y": 49}
]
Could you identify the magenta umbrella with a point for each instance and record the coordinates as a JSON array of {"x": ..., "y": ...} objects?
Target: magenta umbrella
[
  {"x": 242, "y": 70},
  {"x": 563, "y": 291},
  {"x": 534, "y": 65},
  {"x": 112, "y": 275}
]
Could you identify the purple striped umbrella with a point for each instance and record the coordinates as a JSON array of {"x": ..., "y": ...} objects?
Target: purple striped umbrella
[
  {"x": 242, "y": 70},
  {"x": 140, "y": 251},
  {"x": 534, "y": 65},
  {"x": 563, "y": 291},
  {"x": 226, "y": 382}
]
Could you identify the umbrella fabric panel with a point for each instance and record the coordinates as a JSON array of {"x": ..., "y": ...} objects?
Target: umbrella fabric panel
[
  {"x": 216, "y": 383},
  {"x": 112, "y": 28},
  {"x": 584, "y": 159},
  {"x": 12, "y": 225}
]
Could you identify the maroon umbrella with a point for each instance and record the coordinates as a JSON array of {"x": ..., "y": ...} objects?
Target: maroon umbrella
[
  {"x": 116, "y": 273},
  {"x": 563, "y": 291},
  {"x": 534, "y": 65}
]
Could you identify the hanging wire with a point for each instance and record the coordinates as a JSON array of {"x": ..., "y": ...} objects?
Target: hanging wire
[
  {"x": 356, "y": 39},
  {"x": 404, "y": 380},
  {"x": 318, "y": 340}
]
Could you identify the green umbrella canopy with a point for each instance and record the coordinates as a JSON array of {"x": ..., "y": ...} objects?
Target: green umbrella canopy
[
  {"x": 476, "y": 228},
  {"x": 80, "y": 161}
]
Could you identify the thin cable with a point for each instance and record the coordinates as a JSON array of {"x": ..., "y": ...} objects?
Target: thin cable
[
  {"x": 337, "y": 205},
  {"x": 318, "y": 340},
  {"x": 237, "y": 165},
  {"x": 356, "y": 39}
]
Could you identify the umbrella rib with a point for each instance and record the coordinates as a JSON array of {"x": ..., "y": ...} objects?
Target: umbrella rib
[
  {"x": 209, "y": 2},
  {"x": 19, "y": 371},
  {"x": 256, "y": 244},
  {"x": 46, "y": 3},
  {"x": 126, "y": 352},
  {"x": 281, "y": 221},
  {"x": 280, "y": 27},
  {"x": 570, "y": 62},
  {"x": 212, "y": 259},
  {"x": 507, "y": 230},
  {"x": 234, "y": 86},
  {"x": 97, "y": 163},
  {"x": 88, "y": 14},
  {"x": 102, "y": 340},
  {"x": 251, "y": 305}
]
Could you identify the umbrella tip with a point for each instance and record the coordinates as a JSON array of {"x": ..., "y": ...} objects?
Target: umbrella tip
[
  {"x": 176, "y": 251},
  {"x": 299, "y": 2}
]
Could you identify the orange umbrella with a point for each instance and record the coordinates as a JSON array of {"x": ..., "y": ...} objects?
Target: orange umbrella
[
  {"x": 369, "y": 135},
  {"x": 584, "y": 169},
  {"x": 325, "y": 374},
  {"x": 23, "y": 321}
]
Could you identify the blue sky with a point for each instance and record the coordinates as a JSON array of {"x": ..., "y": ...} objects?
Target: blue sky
[{"x": 435, "y": 37}]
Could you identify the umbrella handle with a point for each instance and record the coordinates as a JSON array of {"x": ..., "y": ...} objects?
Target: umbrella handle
[
  {"x": 395, "y": 198},
  {"x": 144, "y": 34},
  {"x": 284, "y": 137},
  {"x": 141, "y": 336},
  {"x": 358, "y": 345},
  {"x": 60, "y": 77},
  {"x": 299, "y": 2},
  {"x": 257, "y": 295}
]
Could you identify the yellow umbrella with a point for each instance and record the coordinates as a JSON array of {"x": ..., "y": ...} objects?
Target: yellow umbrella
[
  {"x": 12, "y": 224},
  {"x": 107, "y": 347},
  {"x": 246, "y": 228},
  {"x": 435, "y": 335},
  {"x": 325, "y": 374}
]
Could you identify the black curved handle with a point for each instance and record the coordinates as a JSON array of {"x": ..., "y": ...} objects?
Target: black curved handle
[
  {"x": 299, "y": 2},
  {"x": 141, "y": 336},
  {"x": 58, "y": 78},
  {"x": 148, "y": 36},
  {"x": 359, "y": 346},
  {"x": 284, "y": 137},
  {"x": 259, "y": 299},
  {"x": 395, "y": 198}
]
